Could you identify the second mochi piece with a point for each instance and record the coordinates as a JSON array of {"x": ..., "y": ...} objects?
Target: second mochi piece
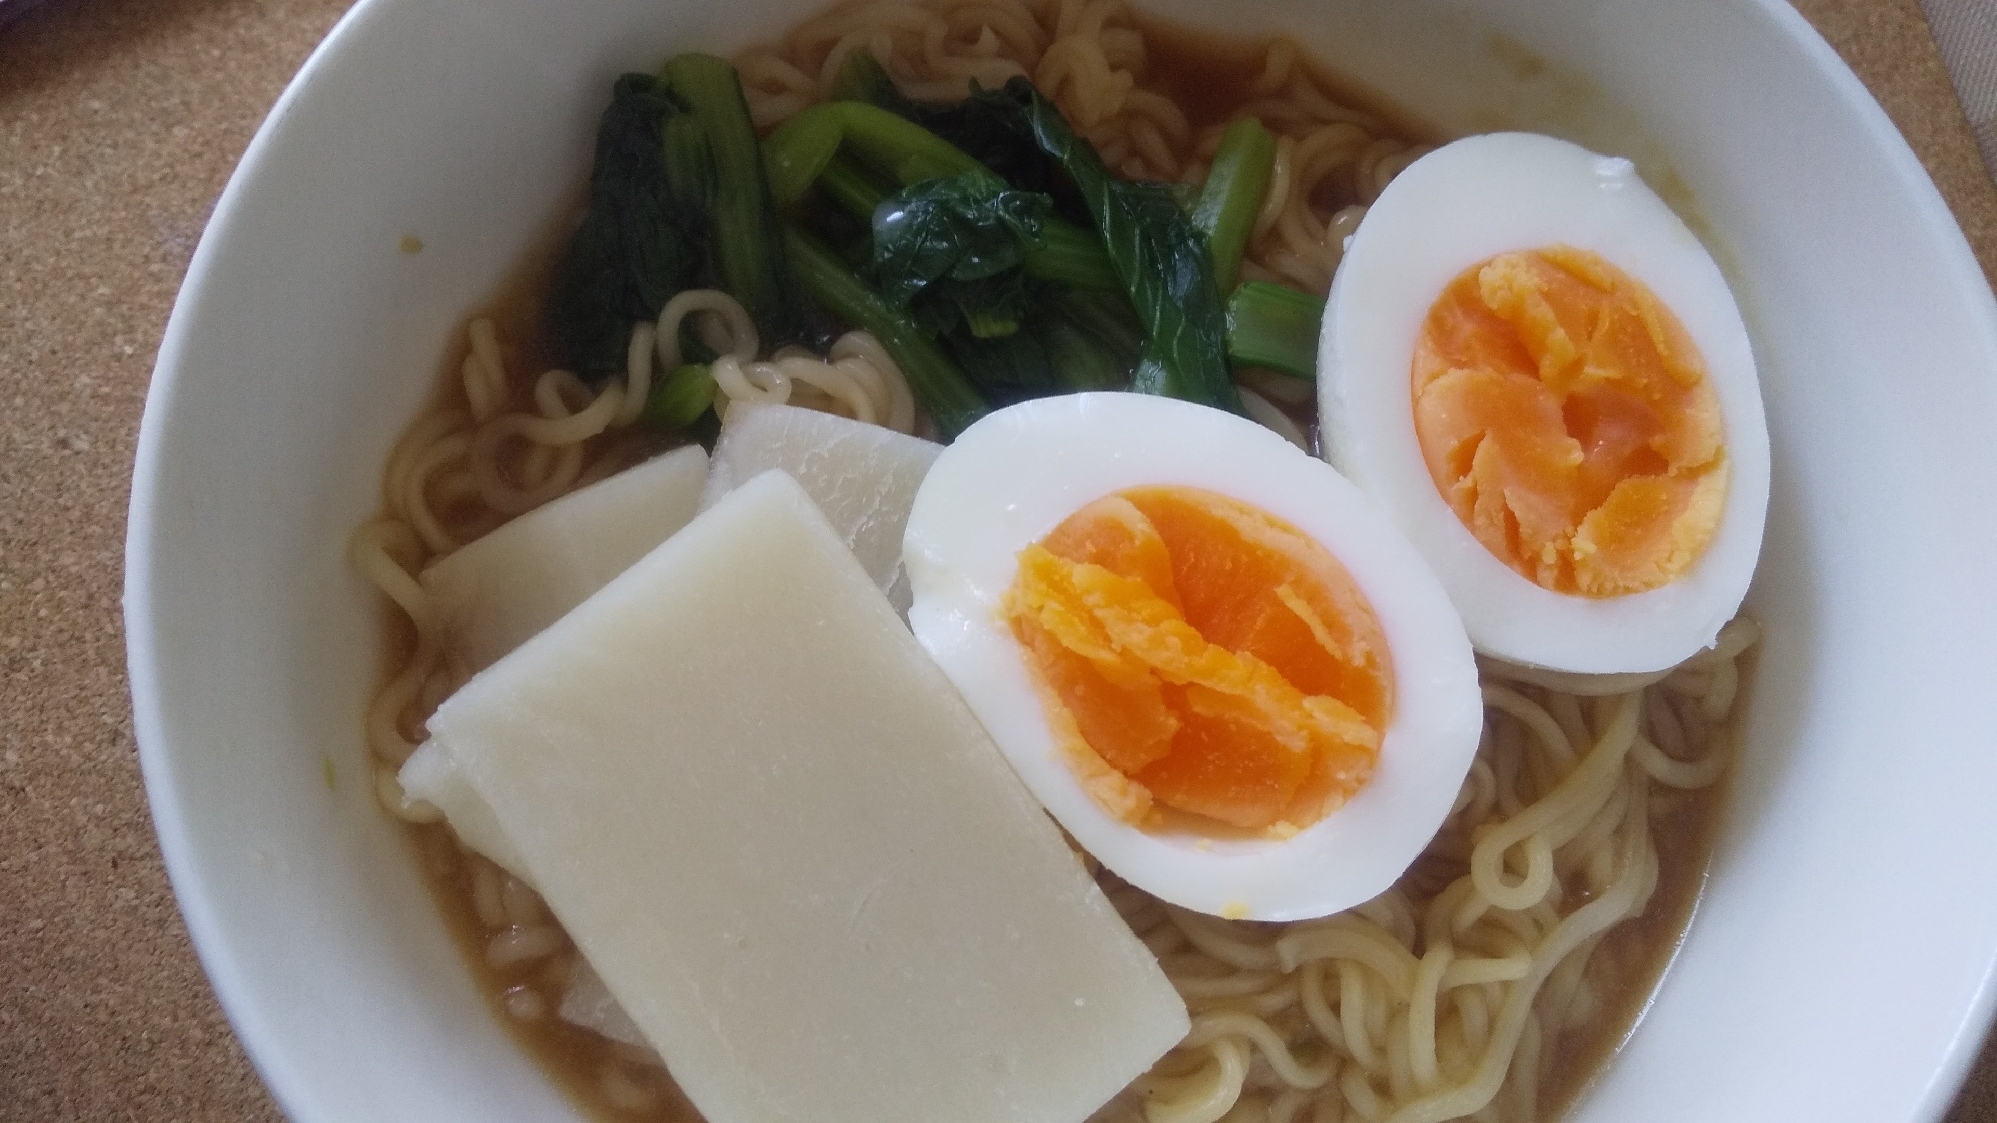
[
  {"x": 491, "y": 594},
  {"x": 862, "y": 477}
]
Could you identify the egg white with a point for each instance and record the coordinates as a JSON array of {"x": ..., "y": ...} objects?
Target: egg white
[
  {"x": 1455, "y": 207},
  {"x": 1013, "y": 477}
]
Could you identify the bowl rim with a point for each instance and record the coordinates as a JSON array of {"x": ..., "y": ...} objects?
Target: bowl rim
[
  {"x": 192, "y": 891},
  {"x": 191, "y": 884}
]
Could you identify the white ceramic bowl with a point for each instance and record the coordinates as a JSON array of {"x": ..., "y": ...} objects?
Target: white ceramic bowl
[{"x": 1838, "y": 968}]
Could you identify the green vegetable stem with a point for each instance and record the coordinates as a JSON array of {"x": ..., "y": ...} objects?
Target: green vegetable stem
[
  {"x": 689, "y": 166},
  {"x": 799, "y": 150},
  {"x": 1232, "y": 195},
  {"x": 937, "y": 382},
  {"x": 748, "y": 244},
  {"x": 861, "y": 78},
  {"x": 1088, "y": 351},
  {"x": 1274, "y": 326},
  {"x": 679, "y": 399}
]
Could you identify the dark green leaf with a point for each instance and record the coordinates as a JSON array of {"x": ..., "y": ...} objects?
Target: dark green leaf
[
  {"x": 988, "y": 307},
  {"x": 748, "y": 244},
  {"x": 987, "y": 133},
  {"x": 1109, "y": 317},
  {"x": 991, "y": 307},
  {"x": 1008, "y": 369},
  {"x": 939, "y": 386},
  {"x": 1160, "y": 257},
  {"x": 956, "y": 244},
  {"x": 1083, "y": 358},
  {"x": 632, "y": 251}
]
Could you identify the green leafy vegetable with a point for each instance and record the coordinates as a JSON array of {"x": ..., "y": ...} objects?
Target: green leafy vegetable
[
  {"x": 1232, "y": 195},
  {"x": 1274, "y": 326},
  {"x": 1053, "y": 352},
  {"x": 677, "y": 191},
  {"x": 801, "y": 148},
  {"x": 1084, "y": 357},
  {"x": 958, "y": 243},
  {"x": 937, "y": 382},
  {"x": 1159, "y": 256},
  {"x": 748, "y": 245},
  {"x": 992, "y": 294},
  {"x": 632, "y": 252},
  {"x": 854, "y": 187},
  {"x": 1008, "y": 369},
  {"x": 805, "y": 148},
  {"x": 982, "y": 131},
  {"x": 1109, "y": 318},
  {"x": 862, "y": 78},
  {"x": 679, "y": 400},
  {"x": 984, "y": 243}
]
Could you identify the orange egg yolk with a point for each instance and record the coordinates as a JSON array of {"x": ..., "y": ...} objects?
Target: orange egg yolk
[
  {"x": 1566, "y": 416},
  {"x": 1195, "y": 653}
]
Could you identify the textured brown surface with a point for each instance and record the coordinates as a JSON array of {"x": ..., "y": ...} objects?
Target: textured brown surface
[{"x": 119, "y": 123}]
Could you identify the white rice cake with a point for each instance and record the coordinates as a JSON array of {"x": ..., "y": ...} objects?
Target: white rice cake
[
  {"x": 588, "y": 1003},
  {"x": 792, "y": 853},
  {"x": 432, "y": 775},
  {"x": 863, "y": 477},
  {"x": 495, "y": 592}
]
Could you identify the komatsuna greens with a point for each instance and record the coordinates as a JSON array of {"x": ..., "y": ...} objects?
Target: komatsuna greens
[{"x": 983, "y": 242}]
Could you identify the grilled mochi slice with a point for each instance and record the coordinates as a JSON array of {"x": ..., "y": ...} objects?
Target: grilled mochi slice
[{"x": 792, "y": 853}]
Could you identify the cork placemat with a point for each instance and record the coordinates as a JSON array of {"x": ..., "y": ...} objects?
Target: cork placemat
[{"x": 120, "y": 120}]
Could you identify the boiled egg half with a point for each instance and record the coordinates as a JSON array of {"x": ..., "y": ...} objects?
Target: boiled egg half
[
  {"x": 1215, "y": 663},
  {"x": 1533, "y": 364}
]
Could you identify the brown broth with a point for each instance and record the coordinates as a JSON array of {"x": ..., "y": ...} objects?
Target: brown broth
[
  {"x": 1209, "y": 74},
  {"x": 575, "y": 1059},
  {"x": 1629, "y": 964}
]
